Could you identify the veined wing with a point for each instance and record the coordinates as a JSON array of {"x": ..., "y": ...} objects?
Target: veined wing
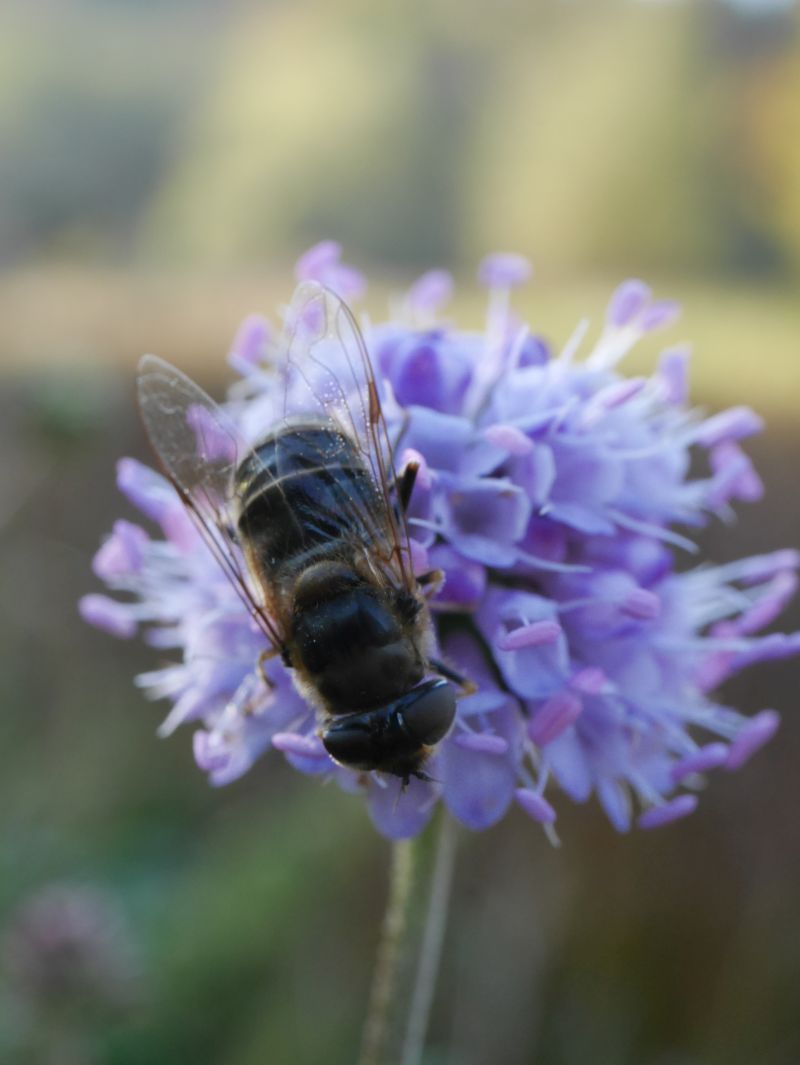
[
  {"x": 329, "y": 374},
  {"x": 200, "y": 449}
]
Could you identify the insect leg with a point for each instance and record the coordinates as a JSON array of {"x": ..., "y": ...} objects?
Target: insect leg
[
  {"x": 431, "y": 582},
  {"x": 266, "y": 654},
  {"x": 467, "y": 686},
  {"x": 404, "y": 484}
]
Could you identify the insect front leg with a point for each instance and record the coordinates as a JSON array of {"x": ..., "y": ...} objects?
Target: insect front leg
[
  {"x": 404, "y": 485},
  {"x": 467, "y": 686},
  {"x": 264, "y": 657},
  {"x": 431, "y": 582}
]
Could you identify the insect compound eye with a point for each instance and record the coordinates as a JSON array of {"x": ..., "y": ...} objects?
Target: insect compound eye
[
  {"x": 427, "y": 712},
  {"x": 350, "y": 742},
  {"x": 391, "y": 738}
]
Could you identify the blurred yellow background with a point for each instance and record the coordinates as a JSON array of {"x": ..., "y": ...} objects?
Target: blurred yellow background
[{"x": 162, "y": 164}]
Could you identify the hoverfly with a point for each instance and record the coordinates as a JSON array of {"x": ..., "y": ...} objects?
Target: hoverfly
[{"x": 308, "y": 522}]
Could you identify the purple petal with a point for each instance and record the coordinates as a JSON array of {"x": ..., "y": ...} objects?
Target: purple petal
[
  {"x": 481, "y": 742},
  {"x": 712, "y": 756},
  {"x": 478, "y": 777},
  {"x": 214, "y": 443},
  {"x": 733, "y": 424},
  {"x": 641, "y": 604},
  {"x": 758, "y": 731},
  {"x": 532, "y": 671},
  {"x": 302, "y": 746},
  {"x": 734, "y": 475},
  {"x": 589, "y": 681},
  {"x": 208, "y": 755},
  {"x": 535, "y": 351},
  {"x": 554, "y": 716},
  {"x": 570, "y": 766},
  {"x": 659, "y": 315},
  {"x": 535, "y": 806},
  {"x": 628, "y": 301},
  {"x": 441, "y": 438},
  {"x": 400, "y": 813},
  {"x": 313, "y": 263},
  {"x": 122, "y": 553},
  {"x": 483, "y": 517},
  {"x": 430, "y": 292},
  {"x": 504, "y": 270},
  {"x": 679, "y": 807},
  {"x": 533, "y": 635},
  {"x": 250, "y": 344},
  {"x": 305, "y": 753},
  {"x": 147, "y": 490},
  {"x": 322, "y": 263},
  {"x": 509, "y": 439},
  {"x": 117, "y": 619},
  {"x": 774, "y": 600},
  {"x": 673, "y": 369},
  {"x": 615, "y": 800}
]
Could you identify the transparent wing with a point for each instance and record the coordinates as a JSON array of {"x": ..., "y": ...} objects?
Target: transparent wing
[
  {"x": 200, "y": 450},
  {"x": 329, "y": 375}
]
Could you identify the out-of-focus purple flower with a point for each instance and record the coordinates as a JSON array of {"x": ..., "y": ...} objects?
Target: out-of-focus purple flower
[
  {"x": 323, "y": 263},
  {"x": 557, "y": 497},
  {"x": 68, "y": 947}
]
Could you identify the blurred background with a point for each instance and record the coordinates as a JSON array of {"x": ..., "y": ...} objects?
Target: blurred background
[{"x": 162, "y": 164}]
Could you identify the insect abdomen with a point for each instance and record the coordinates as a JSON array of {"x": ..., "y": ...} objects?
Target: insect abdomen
[{"x": 303, "y": 487}]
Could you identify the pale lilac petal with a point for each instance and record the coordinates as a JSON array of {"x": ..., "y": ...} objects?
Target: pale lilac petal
[
  {"x": 214, "y": 443},
  {"x": 615, "y": 800},
  {"x": 627, "y": 303},
  {"x": 483, "y": 518},
  {"x": 481, "y": 742},
  {"x": 554, "y": 716},
  {"x": 758, "y": 731},
  {"x": 430, "y": 292},
  {"x": 733, "y": 424},
  {"x": 399, "y": 812},
  {"x": 659, "y": 315},
  {"x": 570, "y": 764},
  {"x": 535, "y": 806},
  {"x": 479, "y": 773},
  {"x": 251, "y": 343},
  {"x": 147, "y": 490},
  {"x": 504, "y": 270},
  {"x": 122, "y": 554},
  {"x": 312, "y": 264},
  {"x": 322, "y": 263},
  {"x": 532, "y": 635},
  {"x": 589, "y": 681},
  {"x": 673, "y": 368},
  {"x": 671, "y": 811},
  {"x": 712, "y": 756},
  {"x": 509, "y": 438},
  {"x": 115, "y": 618}
]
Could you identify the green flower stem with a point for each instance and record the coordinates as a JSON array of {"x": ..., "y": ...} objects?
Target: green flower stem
[
  {"x": 407, "y": 963},
  {"x": 430, "y": 952}
]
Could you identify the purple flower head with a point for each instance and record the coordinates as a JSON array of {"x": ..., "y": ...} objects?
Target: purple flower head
[
  {"x": 556, "y": 497},
  {"x": 68, "y": 946}
]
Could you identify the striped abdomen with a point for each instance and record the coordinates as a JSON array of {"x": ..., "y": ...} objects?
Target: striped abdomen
[{"x": 305, "y": 486}]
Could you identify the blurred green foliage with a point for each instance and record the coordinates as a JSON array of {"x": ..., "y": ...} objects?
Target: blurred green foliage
[{"x": 600, "y": 134}]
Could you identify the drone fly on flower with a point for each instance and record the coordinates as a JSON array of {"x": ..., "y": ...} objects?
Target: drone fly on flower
[{"x": 309, "y": 524}]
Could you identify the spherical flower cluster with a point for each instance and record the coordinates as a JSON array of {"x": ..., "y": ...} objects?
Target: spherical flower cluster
[{"x": 555, "y": 494}]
